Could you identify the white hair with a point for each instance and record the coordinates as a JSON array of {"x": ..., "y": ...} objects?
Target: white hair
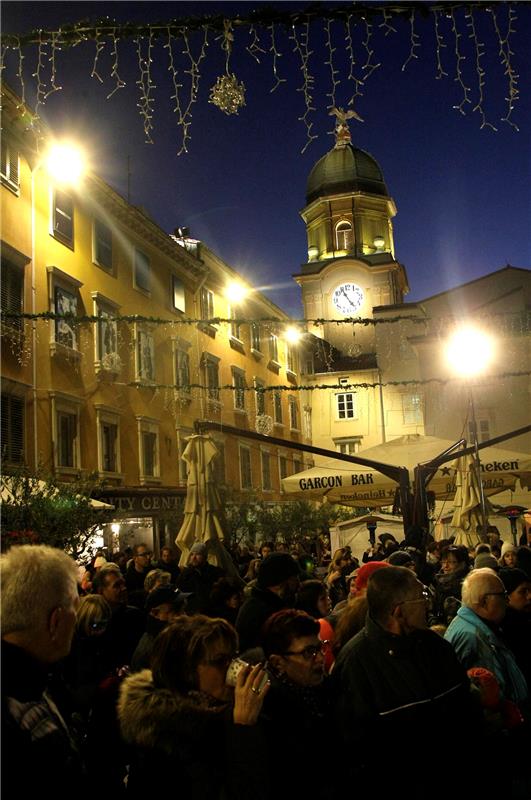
[
  {"x": 476, "y": 584},
  {"x": 35, "y": 579}
]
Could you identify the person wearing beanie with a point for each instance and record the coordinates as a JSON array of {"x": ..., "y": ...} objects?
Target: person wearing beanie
[
  {"x": 198, "y": 578},
  {"x": 517, "y": 622},
  {"x": 363, "y": 574},
  {"x": 276, "y": 588},
  {"x": 508, "y": 555},
  {"x": 486, "y": 560}
]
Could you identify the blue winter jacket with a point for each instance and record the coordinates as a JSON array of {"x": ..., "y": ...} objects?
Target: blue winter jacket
[{"x": 476, "y": 645}]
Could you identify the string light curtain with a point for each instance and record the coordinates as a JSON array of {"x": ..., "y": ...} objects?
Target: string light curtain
[{"x": 470, "y": 42}]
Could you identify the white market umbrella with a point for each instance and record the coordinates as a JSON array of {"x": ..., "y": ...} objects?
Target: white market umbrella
[
  {"x": 11, "y": 489},
  {"x": 366, "y": 487},
  {"x": 468, "y": 516},
  {"x": 202, "y": 509}
]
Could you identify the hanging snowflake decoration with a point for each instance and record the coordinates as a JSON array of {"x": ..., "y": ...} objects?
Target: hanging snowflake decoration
[
  {"x": 228, "y": 95},
  {"x": 264, "y": 424}
]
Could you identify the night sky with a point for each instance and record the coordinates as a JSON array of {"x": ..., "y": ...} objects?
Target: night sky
[{"x": 463, "y": 193}]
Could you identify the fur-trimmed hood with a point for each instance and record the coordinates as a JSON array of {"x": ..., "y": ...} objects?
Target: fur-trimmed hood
[{"x": 155, "y": 718}]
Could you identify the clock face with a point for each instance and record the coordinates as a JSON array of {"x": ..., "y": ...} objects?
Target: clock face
[{"x": 347, "y": 298}]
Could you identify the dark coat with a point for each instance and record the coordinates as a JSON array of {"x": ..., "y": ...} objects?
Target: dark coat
[
  {"x": 199, "y": 581},
  {"x": 254, "y": 612},
  {"x": 40, "y": 757},
  {"x": 401, "y": 698},
  {"x": 142, "y": 655},
  {"x": 187, "y": 744}
]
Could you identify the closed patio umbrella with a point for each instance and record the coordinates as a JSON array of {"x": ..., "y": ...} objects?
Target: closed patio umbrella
[
  {"x": 467, "y": 518},
  {"x": 202, "y": 509}
]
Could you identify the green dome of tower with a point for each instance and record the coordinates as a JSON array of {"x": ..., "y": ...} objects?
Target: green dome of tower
[{"x": 343, "y": 170}]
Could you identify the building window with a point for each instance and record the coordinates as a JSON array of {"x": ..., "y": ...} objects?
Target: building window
[
  {"x": 102, "y": 245},
  {"x": 65, "y": 302},
  {"x": 206, "y": 304},
  {"x": 235, "y": 326},
  {"x": 297, "y": 466},
  {"x": 106, "y": 334},
  {"x": 211, "y": 373},
  {"x": 344, "y": 236},
  {"x": 307, "y": 416},
  {"x": 218, "y": 464},
  {"x": 273, "y": 348},
  {"x": 483, "y": 430},
  {"x": 12, "y": 429},
  {"x": 282, "y": 467},
  {"x": 12, "y": 293},
  {"x": 277, "y": 407},
  {"x": 259, "y": 386},
  {"x": 238, "y": 381},
  {"x": 291, "y": 359},
  {"x": 145, "y": 356},
  {"x": 66, "y": 432},
  {"x": 348, "y": 447},
  {"x": 177, "y": 294},
  {"x": 293, "y": 413},
  {"x": 246, "y": 475},
  {"x": 9, "y": 165},
  {"x": 182, "y": 372},
  {"x": 266, "y": 471},
  {"x": 346, "y": 405},
  {"x": 63, "y": 217},
  {"x": 108, "y": 440},
  {"x": 142, "y": 271},
  {"x": 255, "y": 337},
  {"x": 412, "y": 409},
  {"x": 148, "y": 434}
]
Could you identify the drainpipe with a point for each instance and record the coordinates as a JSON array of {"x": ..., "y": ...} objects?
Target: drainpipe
[
  {"x": 382, "y": 409},
  {"x": 34, "y": 321}
]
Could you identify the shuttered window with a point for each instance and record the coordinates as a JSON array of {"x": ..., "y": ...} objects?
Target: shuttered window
[
  {"x": 12, "y": 429},
  {"x": 102, "y": 245},
  {"x": 63, "y": 217},
  {"x": 9, "y": 165},
  {"x": 12, "y": 290}
]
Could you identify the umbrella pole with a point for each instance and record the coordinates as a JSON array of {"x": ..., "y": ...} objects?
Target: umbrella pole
[{"x": 477, "y": 463}]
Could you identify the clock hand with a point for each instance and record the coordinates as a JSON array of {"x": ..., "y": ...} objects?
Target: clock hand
[{"x": 347, "y": 297}]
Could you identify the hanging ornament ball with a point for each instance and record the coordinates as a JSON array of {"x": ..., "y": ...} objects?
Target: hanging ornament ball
[
  {"x": 228, "y": 95},
  {"x": 264, "y": 424}
]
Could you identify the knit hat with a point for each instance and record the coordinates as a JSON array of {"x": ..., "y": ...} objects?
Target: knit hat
[
  {"x": 400, "y": 558},
  {"x": 507, "y": 547},
  {"x": 275, "y": 569},
  {"x": 364, "y": 573},
  {"x": 485, "y": 560},
  {"x": 166, "y": 594},
  {"x": 512, "y": 578},
  {"x": 198, "y": 548}
]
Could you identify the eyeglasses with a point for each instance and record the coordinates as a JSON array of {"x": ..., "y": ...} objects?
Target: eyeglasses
[
  {"x": 145, "y": 553},
  {"x": 424, "y": 598},
  {"x": 310, "y": 652}
]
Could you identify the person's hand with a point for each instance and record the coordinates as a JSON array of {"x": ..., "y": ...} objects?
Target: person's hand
[
  {"x": 248, "y": 694},
  {"x": 334, "y": 576}
]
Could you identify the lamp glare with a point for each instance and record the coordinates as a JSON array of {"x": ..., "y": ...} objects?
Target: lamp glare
[
  {"x": 470, "y": 351},
  {"x": 65, "y": 163}
]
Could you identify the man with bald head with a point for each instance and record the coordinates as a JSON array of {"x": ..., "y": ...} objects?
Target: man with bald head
[{"x": 475, "y": 633}]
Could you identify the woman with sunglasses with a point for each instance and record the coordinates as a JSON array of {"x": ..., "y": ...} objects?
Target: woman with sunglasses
[
  {"x": 295, "y": 717},
  {"x": 188, "y": 733}
]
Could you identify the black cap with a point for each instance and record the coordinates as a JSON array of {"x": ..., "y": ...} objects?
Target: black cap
[{"x": 166, "y": 594}]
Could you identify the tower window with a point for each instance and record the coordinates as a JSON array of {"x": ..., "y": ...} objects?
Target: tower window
[{"x": 344, "y": 236}]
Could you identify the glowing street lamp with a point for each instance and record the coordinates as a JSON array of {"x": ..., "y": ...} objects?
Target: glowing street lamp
[
  {"x": 235, "y": 292},
  {"x": 469, "y": 351},
  {"x": 65, "y": 163},
  {"x": 292, "y": 334}
]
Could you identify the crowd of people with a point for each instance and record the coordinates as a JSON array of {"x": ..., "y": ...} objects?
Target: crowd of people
[{"x": 409, "y": 672}]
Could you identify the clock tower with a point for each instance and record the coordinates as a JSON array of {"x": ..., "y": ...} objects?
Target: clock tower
[{"x": 351, "y": 266}]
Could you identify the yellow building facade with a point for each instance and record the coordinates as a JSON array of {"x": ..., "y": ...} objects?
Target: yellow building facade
[{"x": 100, "y": 392}]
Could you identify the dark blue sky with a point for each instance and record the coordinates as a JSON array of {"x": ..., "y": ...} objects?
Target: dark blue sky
[{"x": 463, "y": 194}]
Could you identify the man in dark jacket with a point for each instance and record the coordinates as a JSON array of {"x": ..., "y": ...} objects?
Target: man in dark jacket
[
  {"x": 401, "y": 694},
  {"x": 163, "y": 606},
  {"x": 276, "y": 588},
  {"x": 198, "y": 578},
  {"x": 39, "y": 602}
]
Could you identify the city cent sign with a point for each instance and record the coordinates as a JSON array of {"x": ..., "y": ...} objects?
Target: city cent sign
[{"x": 143, "y": 502}]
